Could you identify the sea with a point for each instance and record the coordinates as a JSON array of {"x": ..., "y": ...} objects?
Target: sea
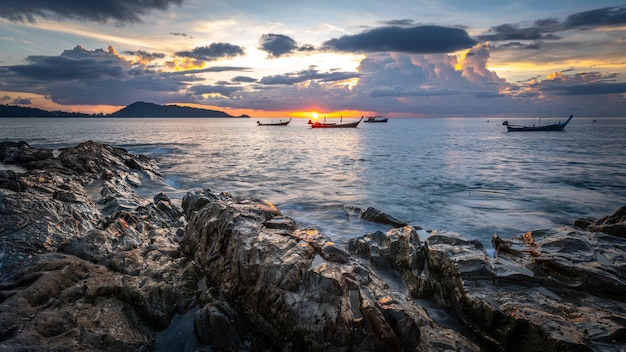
[{"x": 463, "y": 175}]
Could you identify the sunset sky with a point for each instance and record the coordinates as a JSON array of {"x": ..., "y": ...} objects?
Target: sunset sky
[{"x": 290, "y": 58}]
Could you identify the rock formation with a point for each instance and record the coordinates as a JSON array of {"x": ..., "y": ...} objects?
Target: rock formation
[{"x": 87, "y": 264}]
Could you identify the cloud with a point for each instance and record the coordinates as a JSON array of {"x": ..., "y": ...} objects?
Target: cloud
[
  {"x": 78, "y": 63},
  {"x": 22, "y": 101},
  {"x": 213, "y": 52},
  {"x": 591, "y": 89},
  {"x": 414, "y": 40},
  {"x": 582, "y": 94},
  {"x": 92, "y": 77},
  {"x": 144, "y": 56},
  {"x": 306, "y": 75},
  {"x": 277, "y": 45},
  {"x": 543, "y": 29},
  {"x": 222, "y": 90},
  {"x": 399, "y": 23},
  {"x": 120, "y": 11},
  {"x": 610, "y": 16},
  {"x": 513, "y": 32},
  {"x": 588, "y": 83},
  {"x": 388, "y": 83},
  {"x": 243, "y": 79}
]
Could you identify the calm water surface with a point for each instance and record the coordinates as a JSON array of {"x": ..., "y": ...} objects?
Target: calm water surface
[{"x": 463, "y": 175}]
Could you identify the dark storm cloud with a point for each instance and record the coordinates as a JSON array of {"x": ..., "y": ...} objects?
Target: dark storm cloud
[
  {"x": 214, "y": 89},
  {"x": 121, "y": 11},
  {"x": 520, "y": 45},
  {"x": 146, "y": 55},
  {"x": 22, "y": 101},
  {"x": 610, "y": 16},
  {"x": 414, "y": 40},
  {"x": 80, "y": 76},
  {"x": 277, "y": 45},
  {"x": 306, "y": 75},
  {"x": 77, "y": 63},
  {"x": 543, "y": 29},
  {"x": 210, "y": 69},
  {"x": 399, "y": 23},
  {"x": 512, "y": 32},
  {"x": 212, "y": 52},
  {"x": 243, "y": 79},
  {"x": 404, "y": 92}
]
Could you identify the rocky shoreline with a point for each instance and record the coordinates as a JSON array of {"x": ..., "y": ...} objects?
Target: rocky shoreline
[{"x": 89, "y": 265}]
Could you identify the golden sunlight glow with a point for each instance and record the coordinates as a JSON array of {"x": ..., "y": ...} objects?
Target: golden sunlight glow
[
  {"x": 184, "y": 64},
  {"x": 519, "y": 71},
  {"x": 331, "y": 115},
  {"x": 460, "y": 59}
]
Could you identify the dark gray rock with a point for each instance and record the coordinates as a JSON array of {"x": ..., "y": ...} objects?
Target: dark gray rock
[
  {"x": 548, "y": 290},
  {"x": 303, "y": 291},
  {"x": 76, "y": 275},
  {"x": 375, "y": 215}
]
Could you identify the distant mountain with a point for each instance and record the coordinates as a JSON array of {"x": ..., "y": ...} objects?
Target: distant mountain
[
  {"x": 142, "y": 109},
  {"x": 137, "y": 109},
  {"x": 20, "y": 111}
]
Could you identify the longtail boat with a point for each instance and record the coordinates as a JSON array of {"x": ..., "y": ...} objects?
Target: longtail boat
[
  {"x": 281, "y": 123},
  {"x": 324, "y": 124},
  {"x": 553, "y": 127}
]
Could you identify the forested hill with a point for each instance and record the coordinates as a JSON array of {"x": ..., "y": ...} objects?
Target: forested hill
[
  {"x": 142, "y": 109},
  {"x": 20, "y": 111},
  {"x": 137, "y": 109}
]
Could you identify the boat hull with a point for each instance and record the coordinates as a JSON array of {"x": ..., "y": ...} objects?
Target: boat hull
[
  {"x": 259, "y": 123},
  {"x": 372, "y": 119},
  {"x": 336, "y": 125},
  {"x": 555, "y": 127}
]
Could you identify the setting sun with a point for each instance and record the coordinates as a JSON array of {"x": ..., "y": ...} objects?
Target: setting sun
[{"x": 315, "y": 115}]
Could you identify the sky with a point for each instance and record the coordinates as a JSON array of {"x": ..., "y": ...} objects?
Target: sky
[{"x": 274, "y": 58}]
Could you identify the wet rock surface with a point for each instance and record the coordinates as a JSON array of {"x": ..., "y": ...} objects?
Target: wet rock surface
[
  {"x": 87, "y": 264},
  {"x": 546, "y": 290}
]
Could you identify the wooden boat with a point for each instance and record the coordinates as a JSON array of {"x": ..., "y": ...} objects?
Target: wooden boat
[
  {"x": 553, "y": 127},
  {"x": 376, "y": 119},
  {"x": 281, "y": 123},
  {"x": 324, "y": 124}
]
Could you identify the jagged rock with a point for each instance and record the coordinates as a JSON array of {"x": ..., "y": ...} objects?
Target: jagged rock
[
  {"x": 22, "y": 153},
  {"x": 548, "y": 290},
  {"x": 614, "y": 225},
  {"x": 215, "y": 326},
  {"x": 299, "y": 288},
  {"x": 74, "y": 275},
  {"x": 375, "y": 215}
]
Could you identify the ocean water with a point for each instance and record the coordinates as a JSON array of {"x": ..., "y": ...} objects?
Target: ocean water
[{"x": 462, "y": 175}]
